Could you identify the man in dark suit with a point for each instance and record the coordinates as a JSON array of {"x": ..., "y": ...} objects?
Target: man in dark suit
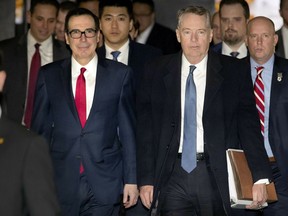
[
  {"x": 282, "y": 45},
  {"x": 26, "y": 182},
  {"x": 84, "y": 106},
  {"x": 116, "y": 37},
  {"x": 225, "y": 116},
  {"x": 234, "y": 15},
  {"x": 151, "y": 32},
  {"x": 18, "y": 52},
  {"x": 261, "y": 40}
]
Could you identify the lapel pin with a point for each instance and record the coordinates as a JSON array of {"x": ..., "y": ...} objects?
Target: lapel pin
[
  {"x": 279, "y": 77},
  {"x": 1, "y": 140}
]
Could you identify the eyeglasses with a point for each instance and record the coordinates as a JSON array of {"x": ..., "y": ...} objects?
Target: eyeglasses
[{"x": 76, "y": 33}]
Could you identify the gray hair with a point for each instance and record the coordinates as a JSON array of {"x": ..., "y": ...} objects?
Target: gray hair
[{"x": 197, "y": 10}]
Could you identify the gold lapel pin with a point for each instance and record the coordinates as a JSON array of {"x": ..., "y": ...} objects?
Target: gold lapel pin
[
  {"x": 1, "y": 140},
  {"x": 279, "y": 77}
]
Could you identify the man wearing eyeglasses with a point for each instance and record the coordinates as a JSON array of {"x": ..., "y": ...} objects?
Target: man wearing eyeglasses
[{"x": 84, "y": 106}]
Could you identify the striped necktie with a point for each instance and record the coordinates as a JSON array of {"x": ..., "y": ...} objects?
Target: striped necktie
[{"x": 259, "y": 96}]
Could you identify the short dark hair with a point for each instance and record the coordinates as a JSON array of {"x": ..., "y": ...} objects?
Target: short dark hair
[
  {"x": 116, "y": 3},
  {"x": 81, "y": 1},
  {"x": 243, "y": 3},
  {"x": 67, "y": 6},
  {"x": 34, "y": 3},
  {"x": 150, "y": 3},
  {"x": 80, "y": 12}
]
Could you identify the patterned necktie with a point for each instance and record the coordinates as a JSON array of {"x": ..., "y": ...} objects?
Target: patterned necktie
[
  {"x": 188, "y": 161},
  {"x": 33, "y": 75},
  {"x": 259, "y": 96},
  {"x": 234, "y": 54},
  {"x": 115, "y": 55}
]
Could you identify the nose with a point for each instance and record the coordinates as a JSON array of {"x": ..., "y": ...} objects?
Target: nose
[{"x": 83, "y": 37}]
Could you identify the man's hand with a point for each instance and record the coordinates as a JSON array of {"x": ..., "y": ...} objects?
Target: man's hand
[
  {"x": 260, "y": 196},
  {"x": 146, "y": 195},
  {"x": 130, "y": 195}
]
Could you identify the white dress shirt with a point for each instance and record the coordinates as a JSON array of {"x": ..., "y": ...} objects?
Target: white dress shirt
[
  {"x": 226, "y": 50},
  {"x": 90, "y": 79},
  {"x": 284, "y": 32},
  {"x": 124, "y": 53},
  {"x": 199, "y": 76}
]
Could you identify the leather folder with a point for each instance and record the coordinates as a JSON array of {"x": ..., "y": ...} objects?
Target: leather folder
[{"x": 241, "y": 182}]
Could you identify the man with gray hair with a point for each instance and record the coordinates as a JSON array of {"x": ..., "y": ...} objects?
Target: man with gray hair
[{"x": 190, "y": 109}]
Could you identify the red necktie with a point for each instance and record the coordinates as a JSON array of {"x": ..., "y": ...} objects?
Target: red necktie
[
  {"x": 33, "y": 75},
  {"x": 80, "y": 101},
  {"x": 259, "y": 96},
  {"x": 80, "y": 97}
]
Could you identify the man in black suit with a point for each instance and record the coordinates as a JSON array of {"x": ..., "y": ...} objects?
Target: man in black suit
[
  {"x": 225, "y": 116},
  {"x": 26, "y": 182},
  {"x": 261, "y": 40},
  {"x": 18, "y": 53},
  {"x": 116, "y": 22},
  {"x": 84, "y": 106},
  {"x": 234, "y": 15},
  {"x": 282, "y": 45},
  {"x": 151, "y": 32}
]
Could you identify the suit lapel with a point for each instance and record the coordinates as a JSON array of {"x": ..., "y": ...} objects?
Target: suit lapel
[
  {"x": 213, "y": 80},
  {"x": 67, "y": 86}
]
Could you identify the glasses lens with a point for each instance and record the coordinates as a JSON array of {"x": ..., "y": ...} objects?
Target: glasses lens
[{"x": 89, "y": 33}]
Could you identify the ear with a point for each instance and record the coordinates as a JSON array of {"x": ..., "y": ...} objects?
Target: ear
[
  {"x": 178, "y": 35},
  {"x": 130, "y": 25},
  {"x": 66, "y": 38},
  {"x": 28, "y": 17},
  {"x": 275, "y": 39}
]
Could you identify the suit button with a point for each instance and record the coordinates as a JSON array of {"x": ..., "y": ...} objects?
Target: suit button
[
  {"x": 172, "y": 124},
  {"x": 82, "y": 134}
]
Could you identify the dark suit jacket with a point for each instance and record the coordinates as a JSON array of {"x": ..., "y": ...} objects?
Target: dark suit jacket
[
  {"x": 26, "y": 182},
  {"x": 230, "y": 119},
  {"x": 278, "y": 116},
  {"x": 106, "y": 145},
  {"x": 164, "y": 39},
  {"x": 139, "y": 55},
  {"x": 16, "y": 66},
  {"x": 280, "y": 45}
]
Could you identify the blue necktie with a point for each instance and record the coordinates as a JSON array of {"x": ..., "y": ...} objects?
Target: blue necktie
[
  {"x": 234, "y": 54},
  {"x": 115, "y": 55},
  {"x": 188, "y": 161}
]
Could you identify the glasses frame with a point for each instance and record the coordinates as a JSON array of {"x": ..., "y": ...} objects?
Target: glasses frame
[{"x": 82, "y": 32}]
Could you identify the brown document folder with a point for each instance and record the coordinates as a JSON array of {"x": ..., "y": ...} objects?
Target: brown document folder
[{"x": 243, "y": 177}]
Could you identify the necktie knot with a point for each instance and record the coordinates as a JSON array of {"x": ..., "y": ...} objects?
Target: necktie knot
[
  {"x": 234, "y": 54},
  {"x": 259, "y": 70},
  {"x": 115, "y": 55},
  {"x": 192, "y": 68},
  {"x": 82, "y": 70},
  {"x": 37, "y": 45}
]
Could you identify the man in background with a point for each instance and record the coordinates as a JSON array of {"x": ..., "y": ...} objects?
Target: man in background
[
  {"x": 64, "y": 8},
  {"x": 23, "y": 56},
  {"x": 270, "y": 78},
  {"x": 234, "y": 15},
  {"x": 282, "y": 46},
  {"x": 151, "y": 32},
  {"x": 26, "y": 182}
]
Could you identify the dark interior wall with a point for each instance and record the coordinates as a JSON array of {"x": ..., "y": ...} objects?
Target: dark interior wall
[
  {"x": 166, "y": 10},
  {"x": 7, "y": 19}
]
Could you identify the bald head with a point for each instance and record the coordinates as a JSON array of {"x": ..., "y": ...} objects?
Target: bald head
[{"x": 261, "y": 39}]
